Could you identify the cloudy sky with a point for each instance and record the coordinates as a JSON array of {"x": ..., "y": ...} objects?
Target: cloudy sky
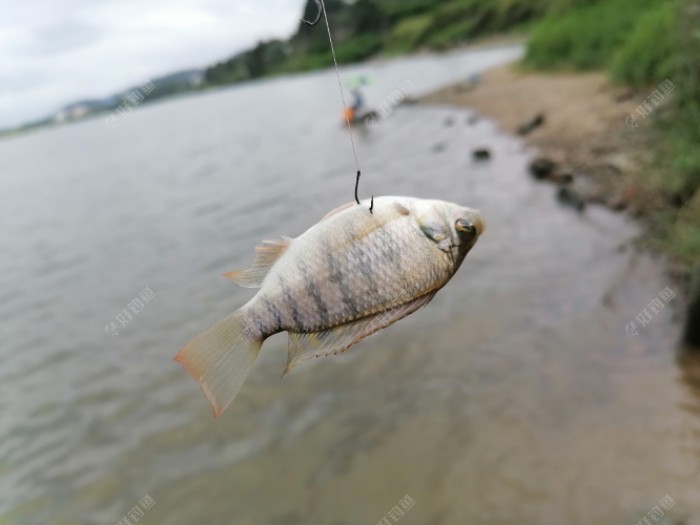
[{"x": 53, "y": 52}]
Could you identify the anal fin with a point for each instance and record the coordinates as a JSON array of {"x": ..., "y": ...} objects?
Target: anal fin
[{"x": 336, "y": 340}]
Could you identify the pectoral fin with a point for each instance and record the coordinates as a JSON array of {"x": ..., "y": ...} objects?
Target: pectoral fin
[
  {"x": 402, "y": 209},
  {"x": 266, "y": 255},
  {"x": 336, "y": 340}
]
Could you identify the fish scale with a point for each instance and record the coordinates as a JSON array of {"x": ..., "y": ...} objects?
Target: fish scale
[{"x": 348, "y": 294}]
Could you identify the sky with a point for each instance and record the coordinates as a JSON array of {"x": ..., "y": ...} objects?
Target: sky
[{"x": 53, "y": 52}]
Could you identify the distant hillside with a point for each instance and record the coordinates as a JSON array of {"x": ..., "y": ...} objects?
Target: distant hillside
[
  {"x": 368, "y": 27},
  {"x": 160, "y": 87}
]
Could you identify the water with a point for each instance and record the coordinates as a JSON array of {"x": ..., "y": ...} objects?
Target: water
[{"x": 515, "y": 397}]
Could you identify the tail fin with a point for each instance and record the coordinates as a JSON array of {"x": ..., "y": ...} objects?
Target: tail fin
[{"x": 219, "y": 359}]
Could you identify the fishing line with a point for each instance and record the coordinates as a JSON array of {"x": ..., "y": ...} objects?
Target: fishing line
[{"x": 342, "y": 98}]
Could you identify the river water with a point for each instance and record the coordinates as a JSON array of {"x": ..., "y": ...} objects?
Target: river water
[{"x": 515, "y": 397}]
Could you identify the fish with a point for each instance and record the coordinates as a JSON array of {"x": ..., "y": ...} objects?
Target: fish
[{"x": 355, "y": 272}]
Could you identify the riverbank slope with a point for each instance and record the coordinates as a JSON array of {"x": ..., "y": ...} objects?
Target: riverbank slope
[{"x": 583, "y": 128}]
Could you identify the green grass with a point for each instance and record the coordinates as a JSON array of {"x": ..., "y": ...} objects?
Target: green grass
[
  {"x": 451, "y": 34},
  {"x": 359, "y": 48},
  {"x": 650, "y": 53},
  {"x": 585, "y": 37},
  {"x": 455, "y": 21},
  {"x": 682, "y": 233},
  {"x": 410, "y": 33}
]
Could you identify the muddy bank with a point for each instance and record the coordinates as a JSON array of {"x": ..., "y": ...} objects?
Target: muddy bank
[{"x": 576, "y": 120}]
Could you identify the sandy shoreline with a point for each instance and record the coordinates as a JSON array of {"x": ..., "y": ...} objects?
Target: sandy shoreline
[{"x": 584, "y": 130}]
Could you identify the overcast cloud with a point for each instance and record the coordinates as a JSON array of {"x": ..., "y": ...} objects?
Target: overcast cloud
[{"x": 53, "y": 52}]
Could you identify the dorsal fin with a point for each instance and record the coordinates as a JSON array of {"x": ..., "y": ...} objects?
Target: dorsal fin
[
  {"x": 335, "y": 340},
  {"x": 397, "y": 206},
  {"x": 337, "y": 210},
  {"x": 266, "y": 254}
]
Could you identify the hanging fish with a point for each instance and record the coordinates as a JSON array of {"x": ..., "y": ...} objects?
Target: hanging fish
[{"x": 345, "y": 278}]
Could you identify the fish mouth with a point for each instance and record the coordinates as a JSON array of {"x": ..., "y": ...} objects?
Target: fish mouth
[
  {"x": 474, "y": 224},
  {"x": 469, "y": 228},
  {"x": 479, "y": 223}
]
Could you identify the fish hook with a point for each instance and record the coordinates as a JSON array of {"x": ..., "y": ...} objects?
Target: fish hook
[
  {"x": 318, "y": 16},
  {"x": 357, "y": 183}
]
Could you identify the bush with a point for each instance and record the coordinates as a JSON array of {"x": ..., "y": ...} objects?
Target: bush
[
  {"x": 585, "y": 37},
  {"x": 649, "y": 55},
  {"x": 359, "y": 48},
  {"x": 451, "y": 34},
  {"x": 684, "y": 133},
  {"x": 458, "y": 20},
  {"x": 402, "y": 9},
  {"x": 683, "y": 236},
  {"x": 410, "y": 33}
]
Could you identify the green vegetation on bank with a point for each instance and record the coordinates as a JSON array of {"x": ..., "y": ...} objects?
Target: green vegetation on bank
[
  {"x": 681, "y": 138},
  {"x": 366, "y": 28},
  {"x": 643, "y": 43},
  {"x": 591, "y": 36}
]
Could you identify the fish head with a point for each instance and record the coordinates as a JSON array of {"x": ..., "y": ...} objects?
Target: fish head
[{"x": 455, "y": 229}]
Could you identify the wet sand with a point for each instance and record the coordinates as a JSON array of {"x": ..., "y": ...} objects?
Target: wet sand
[{"x": 584, "y": 130}]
